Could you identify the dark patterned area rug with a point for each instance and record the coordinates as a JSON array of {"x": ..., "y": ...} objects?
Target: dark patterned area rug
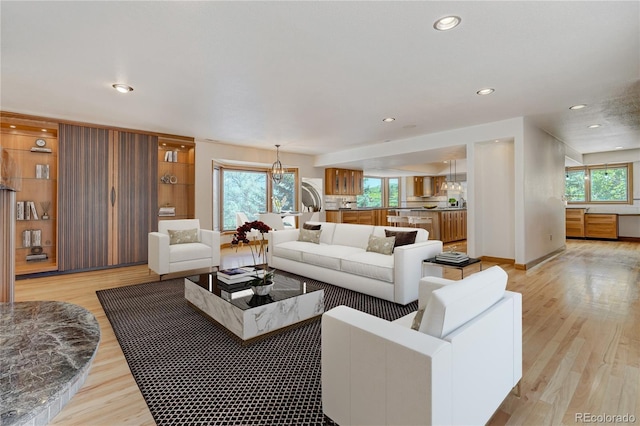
[{"x": 191, "y": 371}]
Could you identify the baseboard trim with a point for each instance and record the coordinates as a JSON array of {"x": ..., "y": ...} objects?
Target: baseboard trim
[
  {"x": 631, "y": 239},
  {"x": 497, "y": 260},
  {"x": 539, "y": 260}
]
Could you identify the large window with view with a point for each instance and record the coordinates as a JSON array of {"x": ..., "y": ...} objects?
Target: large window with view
[
  {"x": 251, "y": 191},
  {"x": 606, "y": 183},
  {"x": 371, "y": 193}
]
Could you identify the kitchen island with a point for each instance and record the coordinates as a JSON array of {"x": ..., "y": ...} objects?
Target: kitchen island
[{"x": 448, "y": 224}]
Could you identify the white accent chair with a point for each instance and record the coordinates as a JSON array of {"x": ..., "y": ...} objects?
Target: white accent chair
[
  {"x": 166, "y": 258},
  {"x": 456, "y": 370},
  {"x": 241, "y": 218}
]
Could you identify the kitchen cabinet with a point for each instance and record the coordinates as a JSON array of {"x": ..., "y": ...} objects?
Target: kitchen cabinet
[
  {"x": 360, "y": 217},
  {"x": 574, "y": 223},
  {"x": 453, "y": 225},
  {"x": 36, "y": 239},
  {"x": 597, "y": 225},
  {"x": 108, "y": 196},
  {"x": 436, "y": 184},
  {"x": 333, "y": 216},
  {"x": 343, "y": 181},
  {"x": 418, "y": 186}
]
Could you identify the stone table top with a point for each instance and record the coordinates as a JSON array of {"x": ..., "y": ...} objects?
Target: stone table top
[{"x": 46, "y": 350}]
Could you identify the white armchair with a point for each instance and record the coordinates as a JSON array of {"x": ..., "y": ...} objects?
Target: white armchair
[
  {"x": 456, "y": 370},
  {"x": 196, "y": 248}
]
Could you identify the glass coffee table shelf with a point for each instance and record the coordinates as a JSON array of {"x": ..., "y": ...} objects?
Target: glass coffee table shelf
[
  {"x": 461, "y": 266},
  {"x": 249, "y": 316}
]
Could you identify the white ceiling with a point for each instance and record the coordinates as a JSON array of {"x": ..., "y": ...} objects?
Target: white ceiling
[{"x": 320, "y": 76}]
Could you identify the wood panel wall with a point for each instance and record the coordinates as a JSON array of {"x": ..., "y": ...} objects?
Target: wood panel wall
[
  {"x": 83, "y": 197},
  {"x": 136, "y": 166}
]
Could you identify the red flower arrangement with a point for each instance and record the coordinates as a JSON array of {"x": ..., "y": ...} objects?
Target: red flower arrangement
[{"x": 256, "y": 253}]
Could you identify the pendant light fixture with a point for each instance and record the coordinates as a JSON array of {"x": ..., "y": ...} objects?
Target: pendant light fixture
[
  {"x": 446, "y": 185},
  {"x": 277, "y": 171}
]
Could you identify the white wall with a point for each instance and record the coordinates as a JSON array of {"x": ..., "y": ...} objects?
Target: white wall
[
  {"x": 494, "y": 186},
  {"x": 207, "y": 152},
  {"x": 544, "y": 180}
]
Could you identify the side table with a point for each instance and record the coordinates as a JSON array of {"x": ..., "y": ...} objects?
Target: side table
[{"x": 472, "y": 261}]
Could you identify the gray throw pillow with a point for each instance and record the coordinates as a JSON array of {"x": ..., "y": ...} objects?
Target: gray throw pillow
[
  {"x": 417, "y": 320},
  {"x": 310, "y": 236},
  {"x": 183, "y": 236},
  {"x": 382, "y": 245}
]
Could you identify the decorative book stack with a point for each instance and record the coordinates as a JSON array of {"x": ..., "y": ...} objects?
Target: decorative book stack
[
  {"x": 239, "y": 275},
  {"x": 452, "y": 257}
]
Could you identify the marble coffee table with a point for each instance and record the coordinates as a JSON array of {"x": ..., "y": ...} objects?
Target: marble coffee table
[{"x": 248, "y": 316}]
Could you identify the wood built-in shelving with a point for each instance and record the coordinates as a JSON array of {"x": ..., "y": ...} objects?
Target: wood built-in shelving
[
  {"x": 39, "y": 178},
  {"x": 176, "y": 176}
]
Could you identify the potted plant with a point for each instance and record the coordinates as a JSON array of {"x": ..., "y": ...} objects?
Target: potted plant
[
  {"x": 452, "y": 202},
  {"x": 262, "y": 283}
]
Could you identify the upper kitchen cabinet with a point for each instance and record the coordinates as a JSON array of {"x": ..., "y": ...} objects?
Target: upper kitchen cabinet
[
  {"x": 418, "y": 186},
  {"x": 343, "y": 181},
  {"x": 436, "y": 184}
]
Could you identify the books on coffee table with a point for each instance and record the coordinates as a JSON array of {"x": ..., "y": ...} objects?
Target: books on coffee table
[
  {"x": 239, "y": 275},
  {"x": 452, "y": 257}
]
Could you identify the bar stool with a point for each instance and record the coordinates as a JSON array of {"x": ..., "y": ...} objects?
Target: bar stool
[{"x": 421, "y": 220}]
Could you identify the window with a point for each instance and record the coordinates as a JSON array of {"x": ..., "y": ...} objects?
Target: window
[
  {"x": 393, "y": 192},
  {"x": 599, "y": 184},
  {"x": 249, "y": 191},
  {"x": 242, "y": 191},
  {"x": 372, "y": 193}
]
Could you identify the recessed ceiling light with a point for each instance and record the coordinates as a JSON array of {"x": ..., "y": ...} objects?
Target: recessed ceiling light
[
  {"x": 486, "y": 91},
  {"x": 12, "y": 126},
  {"x": 44, "y": 130},
  {"x": 447, "y": 23},
  {"x": 388, "y": 119},
  {"x": 595, "y": 126},
  {"x": 618, "y": 147},
  {"x": 579, "y": 106},
  {"x": 122, "y": 88}
]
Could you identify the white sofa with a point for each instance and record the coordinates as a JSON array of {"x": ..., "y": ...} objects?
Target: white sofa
[
  {"x": 341, "y": 259},
  {"x": 456, "y": 371},
  {"x": 165, "y": 258}
]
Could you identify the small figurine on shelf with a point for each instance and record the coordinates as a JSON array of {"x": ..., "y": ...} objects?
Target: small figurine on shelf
[{"x": 45, "y": 209}]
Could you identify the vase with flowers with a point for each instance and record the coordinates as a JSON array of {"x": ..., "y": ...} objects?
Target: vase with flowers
[{"x": 262, "y": 283}]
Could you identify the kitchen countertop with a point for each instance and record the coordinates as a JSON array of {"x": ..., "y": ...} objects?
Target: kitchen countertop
[{"x": 413, "y": 209}]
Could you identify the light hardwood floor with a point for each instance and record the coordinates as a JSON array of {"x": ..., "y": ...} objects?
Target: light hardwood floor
[{"x": 581, "y": 338}]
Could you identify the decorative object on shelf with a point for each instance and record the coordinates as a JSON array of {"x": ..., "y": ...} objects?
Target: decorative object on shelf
[
  {"x": 167, "y": 211},
  {"x": 277, "y": 171},
  {"x": 42, "y": 171},
  {"x": 169, "y": 178},
  {"x": 40, "y": 146},
  {"x": 279, "y": 204},
  {"x": 45, "y": 209},
  {"x": 263, "y": 276}
]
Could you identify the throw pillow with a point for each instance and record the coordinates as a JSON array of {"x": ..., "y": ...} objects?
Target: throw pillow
[
  {"x": 382, "y": 245},
  {"x": 310, "y": 236},
  {"x": 183, "y": 236},
  {"x": 311, "y": 226},
  {"x": 403, "y": 238}
]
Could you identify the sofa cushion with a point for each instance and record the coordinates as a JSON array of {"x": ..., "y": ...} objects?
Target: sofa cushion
[
  {"x": 370, "y": 264},
  {"x": 183, "y": 236},
  {"x": 382, "y": 245},
  {"x": 327, "y": 231},
  {"x": 310, "y": 236},
  {"x": 402, "y": 238},
  {"x": 189, "y": 251},
  {"x": 327, "y": 256},
  {"x": 352, "y": 235},
  {"x": 453, "y": 305},
  {"x": 311, "y": 226},
  {"x": 290, "y": 250}
]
